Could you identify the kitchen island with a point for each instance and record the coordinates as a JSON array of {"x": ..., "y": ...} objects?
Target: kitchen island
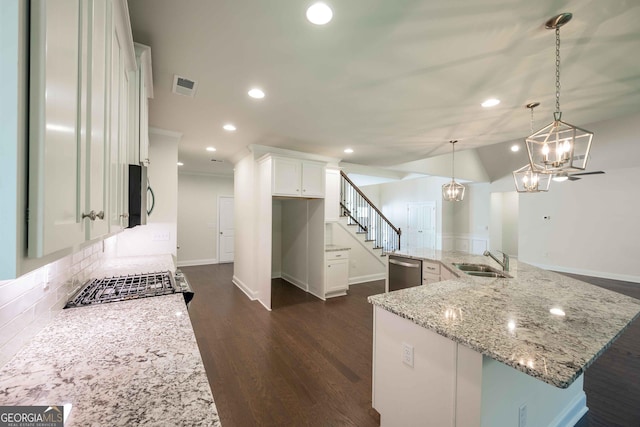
[
  {"x": 119, "y": 364},
  {"x": 490, "y": 352}
]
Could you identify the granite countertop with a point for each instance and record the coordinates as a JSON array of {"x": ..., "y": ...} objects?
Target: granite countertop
[
  {"x": 122, "y": 266},
  {"x": 119, "y": 364},
  {"x": 335, "y": 248},
  {"x": 510, "y": 321}
]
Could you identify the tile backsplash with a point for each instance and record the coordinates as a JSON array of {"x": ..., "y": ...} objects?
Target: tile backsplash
[{"x": 30, "y": 301}]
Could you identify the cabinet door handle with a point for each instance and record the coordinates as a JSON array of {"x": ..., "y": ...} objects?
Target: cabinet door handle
[
  {"x": 431, "y": 268},
  {"x": 91, "y": 215},
  {"x": 100, "y": 215}
]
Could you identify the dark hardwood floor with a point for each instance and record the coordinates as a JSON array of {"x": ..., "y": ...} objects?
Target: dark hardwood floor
[{"x": 308, "y": 362}]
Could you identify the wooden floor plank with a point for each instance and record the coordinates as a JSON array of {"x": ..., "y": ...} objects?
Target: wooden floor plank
[{"x": 308, "y": 362}]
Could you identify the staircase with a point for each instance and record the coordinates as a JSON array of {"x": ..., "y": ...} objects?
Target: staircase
[{"x": 367, "y": 220}]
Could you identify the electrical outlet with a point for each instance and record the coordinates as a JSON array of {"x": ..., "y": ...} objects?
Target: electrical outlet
[
  {"x": 522, "y": 415},
  {"x": 160, "y": 236},
  {"x": 407, "y": 354}
]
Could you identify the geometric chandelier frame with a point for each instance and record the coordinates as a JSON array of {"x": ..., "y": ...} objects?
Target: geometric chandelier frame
[{"x": 559, "y": 147}]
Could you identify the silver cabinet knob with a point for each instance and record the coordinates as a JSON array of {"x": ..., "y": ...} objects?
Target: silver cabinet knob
[
  {"x": 91, "y": 215},
  {"x": 221, "y": 232},
  {"x": 100, "y": 215}
]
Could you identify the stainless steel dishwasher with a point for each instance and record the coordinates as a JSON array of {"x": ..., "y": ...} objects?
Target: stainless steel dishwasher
[{"x": 404, "y": 272}]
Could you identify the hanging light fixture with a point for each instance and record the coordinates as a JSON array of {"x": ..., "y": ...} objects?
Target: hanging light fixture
[
  {"x": 528, "y": 179},
  {"x": 453, "y": 192},
  {"x": 559, "y": 147}
]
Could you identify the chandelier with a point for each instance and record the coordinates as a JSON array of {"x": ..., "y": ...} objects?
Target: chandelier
[
  {"x": 558, "y": 147},
  {"x": 453, "y": 192},
  {"x": 529, "y": 179}
]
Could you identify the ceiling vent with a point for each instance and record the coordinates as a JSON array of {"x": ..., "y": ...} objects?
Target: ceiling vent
[{"x": 184, "y": 86}]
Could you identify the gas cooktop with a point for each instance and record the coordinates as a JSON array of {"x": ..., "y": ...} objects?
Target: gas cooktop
[{"x": 122, "y": 288}]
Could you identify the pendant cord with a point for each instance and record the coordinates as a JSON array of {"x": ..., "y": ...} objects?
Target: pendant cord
[
  {"x": 557, "y": 70},
  {"x": 453, "y": 160}
]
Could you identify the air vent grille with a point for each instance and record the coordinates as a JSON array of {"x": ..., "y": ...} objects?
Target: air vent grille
[{"x": 184, "y": 86}]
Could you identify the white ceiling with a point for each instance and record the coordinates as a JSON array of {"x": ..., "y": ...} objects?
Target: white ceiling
[{"x": 394, "y": 80}]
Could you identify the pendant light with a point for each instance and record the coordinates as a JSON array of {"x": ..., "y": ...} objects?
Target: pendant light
[
  {"x": 453, "y": 192},
  {"x": 559, "y": 147},
  {"x": 527, "y": 178}
]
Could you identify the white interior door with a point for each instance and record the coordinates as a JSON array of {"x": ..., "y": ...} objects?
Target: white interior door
[
  {"x": 421, "y": 225},
  {"x": 225, "y": 229}
]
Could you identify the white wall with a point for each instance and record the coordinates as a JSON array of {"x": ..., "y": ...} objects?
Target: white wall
[
  {"x": 503, "y": 223},
  {"x": 295, "y": 241},
  {"x": 394, "y": 197},
  {"x": 245, "y": 239},
  {"x": 363, "y": 266},
  {"x": 198, "y": 216},
  {"x": 593, "y": 227},
  {"x": 276, "y": 239},
  {"x": 159, "y": 236}
]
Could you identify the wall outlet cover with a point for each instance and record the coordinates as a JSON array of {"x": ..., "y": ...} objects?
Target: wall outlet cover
[{"x": 407, "y": 354}]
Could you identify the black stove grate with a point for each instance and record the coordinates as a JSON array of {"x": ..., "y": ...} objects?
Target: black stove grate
[{"x": 121, "y": 288}]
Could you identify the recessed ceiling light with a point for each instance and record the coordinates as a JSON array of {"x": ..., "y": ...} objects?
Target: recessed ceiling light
[
  {"x": 492, "y": 102},
  {"x": 256, "y": 93},
  {"x": 319, "y": 13},
  {"x": 557, "y": 311},
  {"x": 211, "y": 149},
  {"x": 515, "y": 147},
  {"x": 348, "y": 150},
  {"x": 229, "y": 127},
  {"x": 180, "y": 164}
]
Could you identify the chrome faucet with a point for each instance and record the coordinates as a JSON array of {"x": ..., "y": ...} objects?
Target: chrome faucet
[{"x": 505, "y": 259}]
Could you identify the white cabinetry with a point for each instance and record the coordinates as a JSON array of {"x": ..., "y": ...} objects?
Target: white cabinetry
[
  {"x": 75, "y": 126},
  {"x": 336, "y": 273},
  {"x": 297, "y": 178},
  {"x": 143, "y": 90},
  {"x": 430, "y": 271}
]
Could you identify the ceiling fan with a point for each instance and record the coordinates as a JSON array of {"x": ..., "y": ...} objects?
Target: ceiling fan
[{"x": 564, "y": 176}]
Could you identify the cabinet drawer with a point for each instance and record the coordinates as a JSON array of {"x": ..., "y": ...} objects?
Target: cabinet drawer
[
  {"x": 428, "y": 278},
  {"x": 337, "y": 255},
  {"x": 430, "y": 267}
]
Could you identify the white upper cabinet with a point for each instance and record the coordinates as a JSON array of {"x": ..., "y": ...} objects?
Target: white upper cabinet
[
  {"x": 56, "y": 148},
  {"x": 98, "y": 68},
  {"x": 143, "y": 91},
  {"x": 78, "y": 122},
  {"x": 297, "y": 178},
  {"x": 313, "y": 179}
]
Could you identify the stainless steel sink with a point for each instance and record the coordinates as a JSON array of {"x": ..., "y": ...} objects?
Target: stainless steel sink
[{"x": 481, "y": 270}]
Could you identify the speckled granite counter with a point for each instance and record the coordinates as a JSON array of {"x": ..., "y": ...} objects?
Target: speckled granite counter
[
  {"x": 119, "y": 364},
  {"x": 509, "y": 320},
  {"x": 335, "y": 248}
]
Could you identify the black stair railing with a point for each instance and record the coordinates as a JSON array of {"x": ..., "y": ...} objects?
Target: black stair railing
[{"x": 367, "y": 217}]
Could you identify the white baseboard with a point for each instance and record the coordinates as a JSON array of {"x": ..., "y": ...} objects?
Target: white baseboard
[
  {"x": 244, "y": 288},
  {"x": 366, "y": 278},
  {"x": 317, "y": 296},
  {"x": 192, "y": 262},
  {"x": 263, "y": 304},
  {"x": 295, "y": 281},
  {"x": 572, "y": 413},
  {"x": 592, "y": 273},
  {"x": 276, "y": 275}
]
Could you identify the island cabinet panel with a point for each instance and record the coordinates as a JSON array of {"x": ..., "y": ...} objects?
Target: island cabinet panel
[{"x": 422, "y": 394}]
